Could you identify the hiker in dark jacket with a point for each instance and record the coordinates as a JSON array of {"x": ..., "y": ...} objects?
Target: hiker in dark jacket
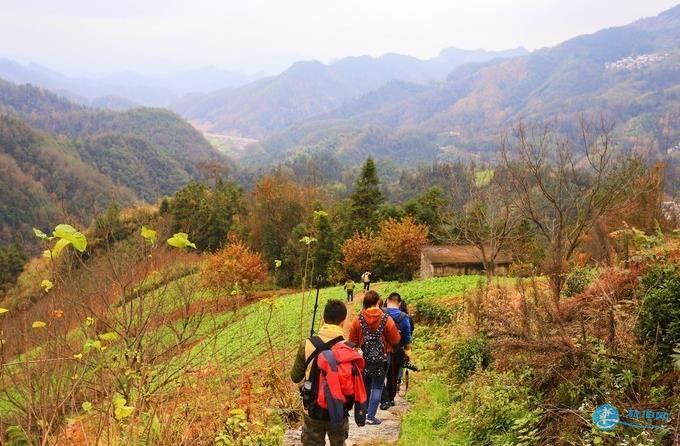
[
  {"x": 317, "y": 424},
  {"x": 377, "y": 334},
  {"x": 398, "y": 356}
]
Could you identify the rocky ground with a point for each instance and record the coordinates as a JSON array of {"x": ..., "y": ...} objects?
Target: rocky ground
[{"x": 386, "y": 433}]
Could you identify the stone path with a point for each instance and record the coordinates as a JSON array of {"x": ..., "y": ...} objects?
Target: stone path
[{"x": 386, "y": 433}]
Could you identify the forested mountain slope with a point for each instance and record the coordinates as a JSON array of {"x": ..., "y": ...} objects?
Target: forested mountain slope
[
  {"x": 62, "y": 158},
  {"x": 42, "y": 177}
]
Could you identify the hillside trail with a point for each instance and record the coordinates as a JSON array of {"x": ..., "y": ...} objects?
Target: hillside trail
[{"x": 386, "y": 433}]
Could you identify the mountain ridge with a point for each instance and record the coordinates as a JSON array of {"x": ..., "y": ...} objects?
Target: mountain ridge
[
  {"x": 478, "y": 101},
  {"x": 310, "y": 88}
]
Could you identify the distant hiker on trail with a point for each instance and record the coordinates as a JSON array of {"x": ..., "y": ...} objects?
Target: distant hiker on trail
[
  {"x": 349, "y": 287},
  {"x": 400, "y": 353},
  {"x": 377, "y": 334},
  {"x": 366, "y": 279},
  {"x": 332, "y": 374}
]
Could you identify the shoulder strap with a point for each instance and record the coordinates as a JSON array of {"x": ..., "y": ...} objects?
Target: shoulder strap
[
  {"x": 365, "y": 329},
  {"x": 320, "y": 346},
  {"x": 383, "y": 322}
]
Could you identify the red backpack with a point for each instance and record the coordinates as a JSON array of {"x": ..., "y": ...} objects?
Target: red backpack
[{"x": 341, "y": 382}]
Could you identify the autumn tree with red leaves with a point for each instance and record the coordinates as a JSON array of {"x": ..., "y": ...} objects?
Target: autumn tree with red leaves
[
  {"x": 394, "y": 252},
  {"x": 358, "y": 254},
  {"x": 234, "y": 268},
  {"x": 398, "y": 246}
]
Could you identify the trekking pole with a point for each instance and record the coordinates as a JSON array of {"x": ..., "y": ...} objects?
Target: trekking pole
[{"x": 316, "y": 304}]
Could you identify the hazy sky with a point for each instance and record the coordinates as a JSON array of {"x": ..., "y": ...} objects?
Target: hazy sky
[{"x": 101, "y": 36}]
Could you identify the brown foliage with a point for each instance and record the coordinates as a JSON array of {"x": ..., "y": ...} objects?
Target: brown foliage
[
  {"x": 278, "y": 205},
  {"x": 236, "y": 265},
  {"x": 358, "y": 254},
  {"x": 397, "y": 247},
  {"x": 399, "y": 243}
]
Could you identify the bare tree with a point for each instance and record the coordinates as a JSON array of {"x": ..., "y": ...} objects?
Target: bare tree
[
  {"x": 489, "y": 222},
  {"x": 564, "y": 186}
]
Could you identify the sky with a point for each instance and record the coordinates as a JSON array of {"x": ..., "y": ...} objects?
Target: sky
[{"x": 98, "y": 37}]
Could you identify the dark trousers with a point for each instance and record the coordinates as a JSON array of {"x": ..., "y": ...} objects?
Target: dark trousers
[
  {"x": 350, "y": 295},
  {"x": 314, "y": 432},
  {"x": 395, "y": 361},
  {"x": 367, "y": 286}
]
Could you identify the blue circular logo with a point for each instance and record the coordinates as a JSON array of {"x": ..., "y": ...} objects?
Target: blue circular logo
[{"x": 606, "y": 417}]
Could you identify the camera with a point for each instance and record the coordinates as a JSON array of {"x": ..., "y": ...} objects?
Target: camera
[{"x": 410, "y": 366}]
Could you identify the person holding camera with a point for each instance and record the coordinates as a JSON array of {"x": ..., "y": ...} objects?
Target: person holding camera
[{"x": 400, "y": 354}]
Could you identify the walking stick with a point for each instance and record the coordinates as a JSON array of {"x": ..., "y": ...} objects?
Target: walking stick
[{"x": 316, "y": 304}]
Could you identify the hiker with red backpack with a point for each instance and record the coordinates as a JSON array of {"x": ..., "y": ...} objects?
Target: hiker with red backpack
[
  {"x": 331, "y": 373},
  {"x": 376, "y": 334},
  {"x": 401, "y": 353}
]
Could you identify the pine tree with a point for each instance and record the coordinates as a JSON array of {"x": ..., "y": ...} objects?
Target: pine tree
[
  {"x": 366, "y": 200},
  {"x": 326, "y": 248}
]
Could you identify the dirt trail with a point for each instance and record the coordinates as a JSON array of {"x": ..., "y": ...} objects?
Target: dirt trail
[{"x": 386, "y": 433}]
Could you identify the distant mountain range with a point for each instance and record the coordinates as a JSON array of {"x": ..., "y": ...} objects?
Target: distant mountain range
[
  {"x": 64, "y": 161},
  {"x": 628, "y": 74},
  {"x": 124, "y": 90},
  {"x": 312, "y": 88}
]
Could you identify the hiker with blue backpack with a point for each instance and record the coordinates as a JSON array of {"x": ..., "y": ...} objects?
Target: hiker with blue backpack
[
  {"x": 400, "y": 354},
  {"x": 331, "y": 372},
  {"x": 375, "y": 332}
]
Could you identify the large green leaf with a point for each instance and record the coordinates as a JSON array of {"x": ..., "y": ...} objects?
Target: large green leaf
[
  {"x": 149, "y": 234},
  {"x": 180, "y": 240},
  {"x": 109, "y": 337},
  {"x": 68, "y": 232},
  {"x": 46, "y": 285},
  {"x": 307, "y": 240},
  {"x": 91, "y": 344},
  {"x": 121, "y": 410},
  {"x": 58, "y": 247},
  {"x": 41, "y": 235}
]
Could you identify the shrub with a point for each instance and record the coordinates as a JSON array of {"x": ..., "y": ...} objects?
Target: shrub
[
  {"x": 578, "y": 280},
  {"x": 471, "y": 354},
  {"x": 235, "y": 268},
  {"x": 497, "y": 409},
  {"x": 433, "y": 313},
  {"x": 240, "y": 431},
  {"x": 659, "y": 319}
]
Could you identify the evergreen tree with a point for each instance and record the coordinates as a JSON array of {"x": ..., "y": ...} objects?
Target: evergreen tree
[
  {"x": 366, "y": 200},
  {"x": 12, "y": 260},
  {"x": 325, "y": 249},
  {"x": 207, "y": 214},
  {"x": 428, "y": 209}
]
